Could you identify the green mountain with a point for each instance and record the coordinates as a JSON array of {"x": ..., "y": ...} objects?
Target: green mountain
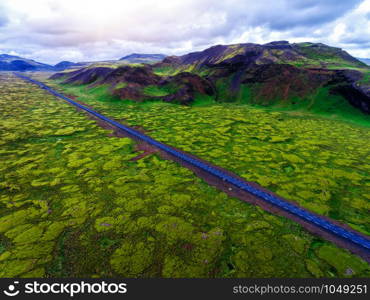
[
  {"x": 307, "y": 76},
  {"x": 306, "y": 55}
]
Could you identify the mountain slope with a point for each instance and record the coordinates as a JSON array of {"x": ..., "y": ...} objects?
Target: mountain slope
[
  {"x": 277, "y": 73},
  {"x": 16, "y": 63},
  {"x": 139, "y": 83},
  {"x": 306, "y": 55},
  {"x": 297, "y": 76}
]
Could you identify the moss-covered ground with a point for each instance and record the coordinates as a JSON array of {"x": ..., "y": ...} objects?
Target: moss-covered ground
[
  {"x": 319, "y": 162},
  {"x": 73, "y": 203}
]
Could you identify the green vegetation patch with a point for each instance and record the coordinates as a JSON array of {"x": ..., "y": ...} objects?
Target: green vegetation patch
[{"x": 155, "y": 91}]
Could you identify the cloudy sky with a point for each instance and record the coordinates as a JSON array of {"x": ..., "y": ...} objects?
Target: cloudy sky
[{"x": 80, "y": 30}]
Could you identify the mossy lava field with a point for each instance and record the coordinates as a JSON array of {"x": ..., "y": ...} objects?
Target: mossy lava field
[{"x": 78, "y": 201}]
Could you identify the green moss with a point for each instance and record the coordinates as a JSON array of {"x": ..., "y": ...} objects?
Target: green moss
[
  {"x": 14, "y": 268},
  {"x": 16, "y": 218},
  {"x": 313, "y": 268},
  {"x": 298, "y": 244},
  {"x": 36, "y": 273},
  {"x": 175, "y": 229},
  {"x": 105, "y": 223},
  {"x": 257, "y": 225},
  {"x": 155, "y": 91},
  {"x": 245, "y": 94},
  {"x": 241, "y": 261},
  {"x": 202, "y": 100},
  {"x": 132, "y": 260},
  {"x": 31, "y": 250},
  {"x": 53, "y": 231},
  {"x": 165, "y": 71},
  {"x": 78, "y": 206},
  {"x": 175, "y": 267},
  {"x": 30, "y": 235},
  {"x": 344, "y": 263},
  {"x": 120, "y": 85}
]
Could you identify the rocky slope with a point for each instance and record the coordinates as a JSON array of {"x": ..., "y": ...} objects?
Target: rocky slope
[
  {"x": 140, "y": 83},
  {"x": 278, "y": 72},
  {"x": 280, "y": 52}
]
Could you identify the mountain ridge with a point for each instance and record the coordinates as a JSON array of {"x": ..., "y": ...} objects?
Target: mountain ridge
[
  {"x": 142, "y": 58},
  {"x": 17, "y": 63},
  {"x": 298, "y": 54}
]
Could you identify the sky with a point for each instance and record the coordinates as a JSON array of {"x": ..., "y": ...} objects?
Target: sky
[{"x": 50, "y": 31}]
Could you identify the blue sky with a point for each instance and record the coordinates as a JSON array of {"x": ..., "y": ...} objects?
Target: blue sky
[{"x": 81, "y": 30}]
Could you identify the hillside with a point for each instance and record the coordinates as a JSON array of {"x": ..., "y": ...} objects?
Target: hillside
[
  {"x": 16, "y": 63},
  {"x": 307, "y": 55},
  {"x": 139, "y": 83},
  {"x": 307, "y": 76}
]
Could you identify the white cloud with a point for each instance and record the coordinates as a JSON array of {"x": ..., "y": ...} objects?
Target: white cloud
[{"x": 52, "y": 30}]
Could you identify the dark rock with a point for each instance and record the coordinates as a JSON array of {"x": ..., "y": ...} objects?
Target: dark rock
[
  {"x": 192, "y": 82},
  {"x": 87, "y": 75},
  {"x": 356, "y": 95},
  {"x": 136, "y": 75},
  {"x": 188, "y": 85},
  {"x": 129, "y": 92}
]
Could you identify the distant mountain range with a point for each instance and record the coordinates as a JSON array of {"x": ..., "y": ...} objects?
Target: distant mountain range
[
  {"x": 67, "y": 64},
  {"x": 16, "y": 63},
  {"x": 276, "y": 73},
  {"x": 143, "y": 58}
]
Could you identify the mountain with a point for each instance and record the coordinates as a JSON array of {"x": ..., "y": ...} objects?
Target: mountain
[
  {"x": 306, "y": 55},
  {"x": 365, "y": 60},
  {"x": 278, "y": 73},
  {"x": 129, "y": 59},
  {"x": 16, "y": 63},
  {"x": 66, "y": 65},
  {"x": 310, "y": 76},
  {"x": 140, "y": 83},
  {"x": 142, "y": 58}
]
